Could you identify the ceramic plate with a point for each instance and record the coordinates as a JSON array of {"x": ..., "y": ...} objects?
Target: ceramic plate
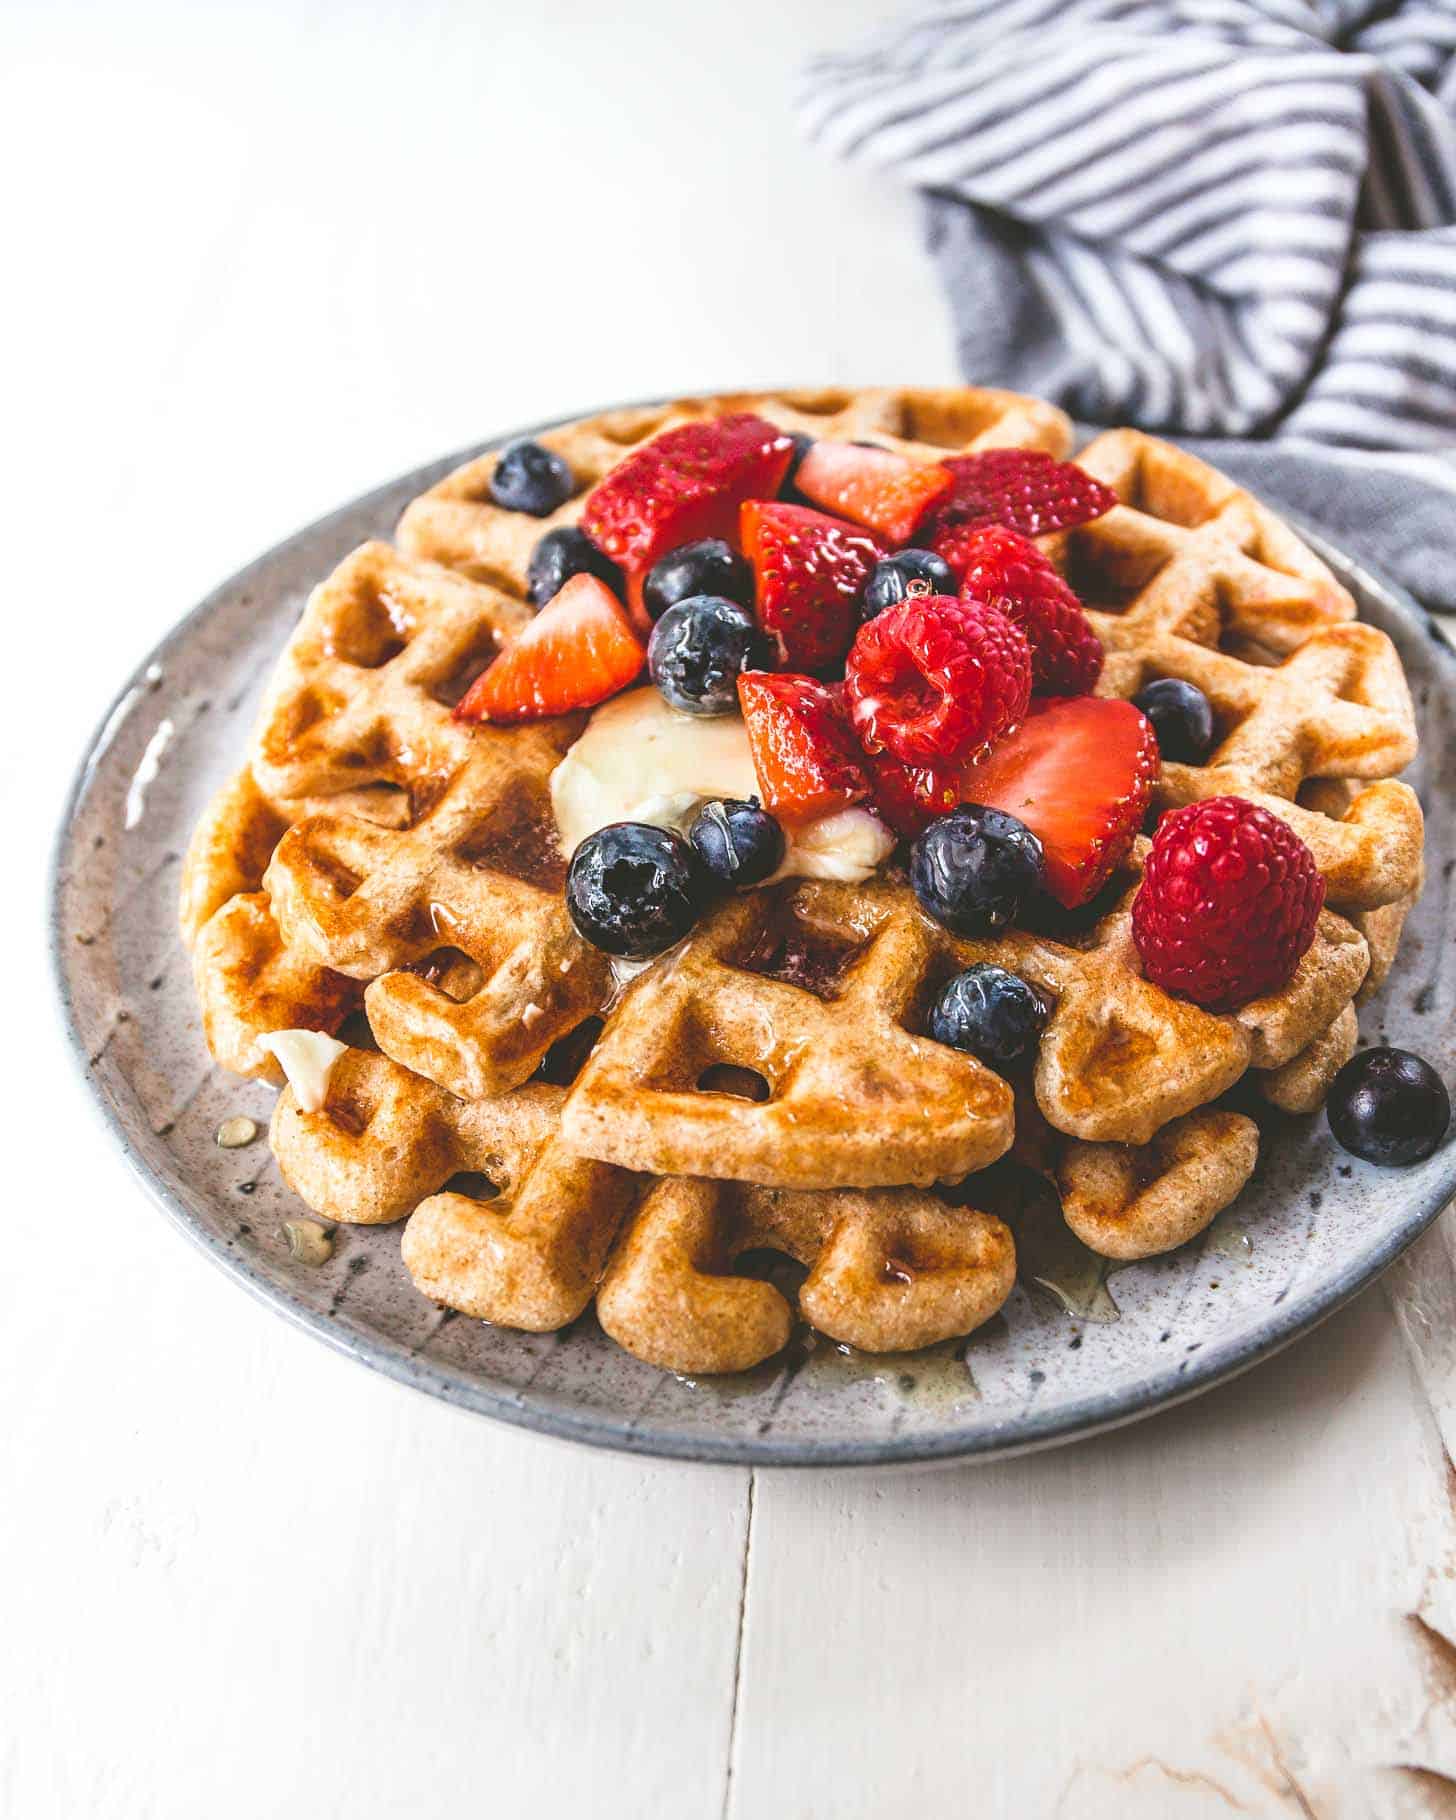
[{"x": 1084, "y": 1353}]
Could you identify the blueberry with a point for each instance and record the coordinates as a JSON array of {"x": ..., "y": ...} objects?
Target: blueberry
[
  {"x": 633, "y": 889},
  {"x": 709, "y": 566},
  {"x": 739, "y": 843},
  {"x": 1388, "y": 1106},
  {"x": 789, "y": 486},
  {"x": 891, "y": 579},
  {"x": 558, "y": 556},
  {"x": 698, "y": 650},
  {"x": 530, "y": 478},
  {"x": 973, "y": 869},
  {"x": 1182, "y": 719},
  {"x": 993, "y": 1014}
]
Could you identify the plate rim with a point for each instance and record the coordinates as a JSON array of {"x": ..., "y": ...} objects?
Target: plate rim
[{"x": 1095, "y": 1413}]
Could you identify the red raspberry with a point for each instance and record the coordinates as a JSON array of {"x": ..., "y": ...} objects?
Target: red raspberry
[
  {"x": 1031, "y": 492},
  {"x": 933, "y": 681},
  {"x": 1008, "y": 570},
  {"x": 1228, "y": 903}
]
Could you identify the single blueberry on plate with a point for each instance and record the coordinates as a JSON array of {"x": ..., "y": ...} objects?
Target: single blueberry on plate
[
  {"x": 530, "y": 478},
  {"x": 699, "y": 649},
  {"x": 739, "y": 842},
  {"x": 709, "y": 566},
  {"x": 1388, "y": 1106},
  {"x": 974, "y": 868},
  {"x": 990, "y": 1013},
  {"x": 891, "y": 579},
  {"x": 1182, "y": 718},
  {"x": 558, "y": 556},
  {"x": 633, "y": 889}
]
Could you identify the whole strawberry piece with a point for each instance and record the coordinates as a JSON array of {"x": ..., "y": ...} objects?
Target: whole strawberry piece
[
  {"x": 804, "y": 754},
  {"x": 809, "y": 571},
  {"x": 878, "y": 488},
  {"x": 1228, "y": 904},
  {"x": 1078, "y": 773},
  {"x": 1007, "y": 570},
  {"x": 933, "y": 681},
  {"x": 1027, "y": 490},
  {"x": 684, "y": 485},
  {"x": 579, "y": 649}
]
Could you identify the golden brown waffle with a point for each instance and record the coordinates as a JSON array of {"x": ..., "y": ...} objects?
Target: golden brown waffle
[
  {"x": 456, "y": 917},
  {"x": 887, "y": 1270},
  {"x": 457, "y": 523},
  {"x": 248, "y": 983},
  {"x": 378, "y": 844},
  {"x": 821, "y": 989}
]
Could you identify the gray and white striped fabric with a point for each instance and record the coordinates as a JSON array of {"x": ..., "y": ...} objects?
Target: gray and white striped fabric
[{"x": 1227, "y": 219}]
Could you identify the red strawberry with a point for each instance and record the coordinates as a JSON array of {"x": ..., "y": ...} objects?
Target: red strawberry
[
  {"x": 1007, "y": 570},
  {"x": 1228, "y": 903},
  {"x": 1078, "y": 774},
  {"x": 810, "y": 572},
  {"x": 874, "y": 487},
  {"x": 803, "y": 751},
  {"x": 933, "y": 681},
  {"x": 685, "y": 484},
  {"x": 1028, "y": 490},
  {"x": 579, "y": 649}
]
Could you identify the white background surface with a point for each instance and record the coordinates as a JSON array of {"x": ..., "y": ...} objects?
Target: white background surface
[{"x": 261, "y": 257}]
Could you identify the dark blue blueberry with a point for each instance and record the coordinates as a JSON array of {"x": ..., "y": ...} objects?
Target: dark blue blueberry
[
  {"x": 633, "y": 889},
  {"x": 974, "y": 868},
  {"x": 699, "y": 649},
  {"x": 558, "y": 556},
  {"x": 1388, "y": 1106},
  {"x": 1182, "y": 719},
  {"x": 789, "y": 486},
  {"x": 530, "y": 478},
  {"x": 709, "y": 566},
  {"x": 991, "y": 1013},
  {"x": 891, "y": 579},
  {"x": 739, "y": 843}
]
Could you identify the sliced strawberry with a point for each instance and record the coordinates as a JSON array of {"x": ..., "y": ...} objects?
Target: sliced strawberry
[
  {"x": 803, "y": 751},
  {"x": 685, "y": 484},
  {"x": 874, "y": 487},
  {"x": 809, "y": 572},
  {"x": 579, "y": 649},
  {"x": 1078, "y": 774},
  {"x": 1028, "y": 490}
]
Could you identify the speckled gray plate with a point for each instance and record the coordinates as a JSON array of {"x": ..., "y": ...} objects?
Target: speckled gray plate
[{"x": 1312, "y": 1229}]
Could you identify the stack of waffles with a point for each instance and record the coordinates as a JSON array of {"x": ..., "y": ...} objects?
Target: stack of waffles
[{"x": 551, "y": 1135}]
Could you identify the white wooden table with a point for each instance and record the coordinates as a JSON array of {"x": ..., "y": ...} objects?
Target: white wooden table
[{"x": 259, "y": 258}]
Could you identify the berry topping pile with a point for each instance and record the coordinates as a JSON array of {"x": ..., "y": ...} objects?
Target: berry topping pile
[
  {"x": 895, "y": 642},
  {"x": 1228, "y": 904}
]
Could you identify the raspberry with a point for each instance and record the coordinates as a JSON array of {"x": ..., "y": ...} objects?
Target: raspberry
[
  {"x": 1006, "y": 569},
  {"x": 933, "y": 681},
  {"x": 1023, "y": 488},
  {"x": 1228, "y": 903}
]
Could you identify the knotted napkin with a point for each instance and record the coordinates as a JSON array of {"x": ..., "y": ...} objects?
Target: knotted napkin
[{"x": 1231, "y": 221}]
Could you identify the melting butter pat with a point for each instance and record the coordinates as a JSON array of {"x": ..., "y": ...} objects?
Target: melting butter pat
[
  {"x": 307, "y": 1057},
  {"x": 640, "y": 760}
]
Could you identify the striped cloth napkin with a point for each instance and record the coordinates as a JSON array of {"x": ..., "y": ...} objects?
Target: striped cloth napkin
[{"x": 1233, "y": 221}]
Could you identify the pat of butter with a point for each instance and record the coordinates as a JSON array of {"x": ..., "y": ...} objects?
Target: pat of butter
[
  {"x": 307, "y": 1057},
  {"x": 640, "y": 760}
]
